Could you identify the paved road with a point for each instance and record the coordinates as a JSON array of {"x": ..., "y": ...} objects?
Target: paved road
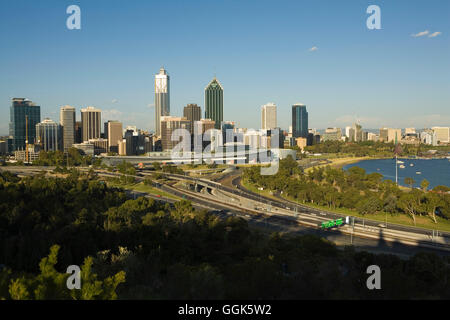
[
  {"x": 272, "y": 223},
  {"x": 278, "y": 224}
]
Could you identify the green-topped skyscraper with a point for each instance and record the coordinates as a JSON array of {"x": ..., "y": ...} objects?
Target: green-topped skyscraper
[{"x": 214, "y": 102}]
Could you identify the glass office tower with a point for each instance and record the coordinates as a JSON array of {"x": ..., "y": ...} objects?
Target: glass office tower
[
  {"x": 299, "y": 121},
  {"x": 48, "y": 135},
  {"x": 214, "y": 102},
  {"x": 20, "y": 110}
]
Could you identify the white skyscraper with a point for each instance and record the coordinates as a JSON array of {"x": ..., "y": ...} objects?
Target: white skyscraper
[
  {"x": 162, "y": 98},
  {"x": 67, "y": 121},
  {"x": 269, "y": 116},
  {"x": 347, "y": 131}
]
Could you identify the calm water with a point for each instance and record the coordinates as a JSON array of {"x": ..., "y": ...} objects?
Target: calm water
[{"x": 436, "y": 171}]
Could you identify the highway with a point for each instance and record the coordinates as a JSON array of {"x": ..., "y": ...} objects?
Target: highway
[
  {"x": 278, "y": 215},
  {"x": 424, "y": 236}
]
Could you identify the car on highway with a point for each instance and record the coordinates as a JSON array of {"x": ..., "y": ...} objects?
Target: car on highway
[{"x": 381, "y": 225}]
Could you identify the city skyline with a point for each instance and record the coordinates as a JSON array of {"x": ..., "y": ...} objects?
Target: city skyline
[{"x": 341, "y": 70}]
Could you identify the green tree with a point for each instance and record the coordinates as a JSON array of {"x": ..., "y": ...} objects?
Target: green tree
[
  {"x": 50, "y": 284},
  {"x": 156, "y": 166},
  {"x": 409, "y": 182},
  {"x": 408, "y": 202},
  {"x": 431, "y": 202},
  {"x": 424, "y": 185},
  {"x": 369, "y": 205}
]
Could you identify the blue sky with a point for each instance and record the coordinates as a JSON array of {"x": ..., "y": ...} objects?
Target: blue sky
[{"x": 259, "y": 50}]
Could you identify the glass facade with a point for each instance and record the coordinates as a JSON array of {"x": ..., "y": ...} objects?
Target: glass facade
[
  {"x": 48, "y": 135},
  {"x": 19, "y": 111},
  {"x": 214, "y": 102},
  {"x": 299, "y": 121}
]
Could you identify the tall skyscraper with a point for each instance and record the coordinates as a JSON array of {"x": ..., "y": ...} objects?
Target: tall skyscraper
[
  {"x": 214, "y": 102},
  {"x": 269, "y": 116},
  {"x": 113, "y": 132},
  {"x": 299, "y": 121},
  {"x": 48, "y": 135},
  {"x": 67, "y": 121},
  {"x": 193, "y": 113},
  {"x": 23, "y": 112},
  {"x": 91, "y": 119},
  {"x": 162, "y": 98},
  {"x": 358, "y": 132},
  {"x": 78, "y": 132}
]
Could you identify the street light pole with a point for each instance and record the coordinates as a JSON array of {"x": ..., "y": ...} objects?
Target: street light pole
[{"x": 396, "y": 170}]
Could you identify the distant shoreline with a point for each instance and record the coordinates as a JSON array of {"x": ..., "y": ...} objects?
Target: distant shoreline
[{"x": 339, "y": 163}]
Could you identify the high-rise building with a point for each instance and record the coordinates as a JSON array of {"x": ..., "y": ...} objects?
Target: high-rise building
[
  {"x": 122, "y": 147},
  {"x": 227, "y": 128},
  {"x": 162, "y": 98},
  {"x": 202, "y": 133},
  {"x": 91, "y": 119},
  {"x": 193, "y": 113},
  {"x": 351, "y": 134},
  {"x": 78, "y": 132},
  {"x": 135, "y": 143},
  {"x": 390, "y": 135},
  {"x": 359, "y": 133},
  {"x": 428, "y": 136},
  {"x": 372, "y": 136},
  {"x": 24, "y": 115},
  {"x": 214, "y": 102},
  {"x": 3, "y": 147},
  {"x": 113, "y": 132},
  {"x": 442, "y": 134},
  {"x": 347, "y": 133},
  {"x": 48, "y": 135},
  {"x": 269, "y": 116},
  {"x": 299, "y": 121},
  {"x": 168, "y": 126},
  {"x": 67, "y": 122}
]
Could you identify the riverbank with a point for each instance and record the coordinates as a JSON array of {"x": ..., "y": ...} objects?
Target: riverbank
[{"x": 341, "y": 162}]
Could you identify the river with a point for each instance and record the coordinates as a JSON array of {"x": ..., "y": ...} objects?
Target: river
[{"x": 436, "y": 171}]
